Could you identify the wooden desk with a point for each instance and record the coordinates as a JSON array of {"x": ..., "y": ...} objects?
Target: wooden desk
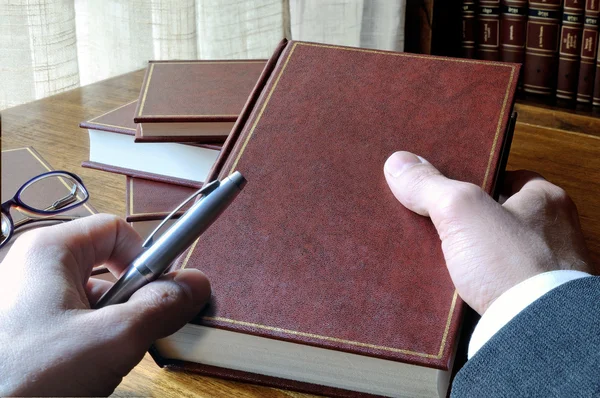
[{"x": 542, "y": 143}]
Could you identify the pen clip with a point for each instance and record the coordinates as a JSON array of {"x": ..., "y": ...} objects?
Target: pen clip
[{"x": 204, "y": 192}]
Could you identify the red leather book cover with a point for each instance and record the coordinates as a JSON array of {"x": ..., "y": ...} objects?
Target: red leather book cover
[
  {"x": 541, "y": 48},
  {"x": 317, "y": 223},
  {"x": 119, "y": 120},
  {"x": 206, "y": 93},
  {"x": 589, "y": 48},
  {"x": 488, "y": 28},
  {"x": 469, "y": 28},
  {"x": 18, "y": 167},
  {"x": 513, "y": 30},
  {"x": 570, "y": 49},
  {"x": 152, "y": 200},
  {"x": 141, "y": 174}
]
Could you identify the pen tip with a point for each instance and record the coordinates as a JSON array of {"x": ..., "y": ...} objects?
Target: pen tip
[{"x": 238, "y": 179}]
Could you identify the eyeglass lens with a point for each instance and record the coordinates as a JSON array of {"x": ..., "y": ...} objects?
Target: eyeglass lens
[
  {"x": 5, "y": 226},
  {"x": 53, "y": 192}
]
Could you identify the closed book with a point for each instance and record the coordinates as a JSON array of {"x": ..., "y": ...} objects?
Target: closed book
[
  {"x": 513, "y": 30},
  {"x": 570, "y": 49},
  {"x": 596, "y": 100},
  {"x": 152, "y": 200},
  {"x": 199, "y": 101},
  {"x": 469, "y": 28},
  {"x": 321, "y": 280},
  {"x": 589, "y": 48},
  {"x": 112, "y": 148},
  {"x": 488, "y": 28},
  {"x": 18, "y": 167},
  {"x": 541, "y": 47}
]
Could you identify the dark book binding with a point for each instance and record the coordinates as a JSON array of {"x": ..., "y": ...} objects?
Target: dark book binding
[
  {"x": 488, "y": 30},
  {"x": 118, "y": 120},
  {"x": 469, "y": 28},
  {"x": 570, "y": 49},
  {"x": 141, "y": 174},
  {"x": 153, "y": 200},
  {"x": 589, "y": 48},
  {"x": 513, "y": 28},
  {"x": 297, "y": 144},
  {"x": 196, "y": 91},
  {"x": 596, "y": 100},
  {"x": 541, "y": 48}
]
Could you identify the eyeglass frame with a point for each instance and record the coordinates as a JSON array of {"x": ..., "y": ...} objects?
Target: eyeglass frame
[{"x": 45, "y": 215}]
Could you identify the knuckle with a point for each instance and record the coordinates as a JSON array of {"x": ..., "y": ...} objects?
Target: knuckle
[
  {"x": 556, "y": 196},
  {"x": 458, "y": 197}
]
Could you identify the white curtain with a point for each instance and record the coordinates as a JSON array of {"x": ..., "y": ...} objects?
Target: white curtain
[{"x": 49, "y": 46}]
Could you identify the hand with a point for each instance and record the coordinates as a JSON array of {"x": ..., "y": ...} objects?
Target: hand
[
  {"x": 490, "y": 247},
  {"x": 52, "y": 343}
]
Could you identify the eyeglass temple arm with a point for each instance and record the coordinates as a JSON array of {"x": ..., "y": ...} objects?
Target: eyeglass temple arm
[
  {"x": 205, "y": 190},
  {"x": 64, "y": 201},
  {"x": 26, "y": 221}
]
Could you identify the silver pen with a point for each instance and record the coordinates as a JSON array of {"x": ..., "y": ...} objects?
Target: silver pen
[{"x": 153, "y": 262}]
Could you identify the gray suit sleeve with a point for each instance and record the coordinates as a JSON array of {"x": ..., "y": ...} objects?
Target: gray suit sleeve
[{"x": 550, "y": 349}]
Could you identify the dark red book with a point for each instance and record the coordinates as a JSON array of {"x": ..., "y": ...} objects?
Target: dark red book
[
  {"x": 541, "y": 48},
  {"x": 513, "y": 30},
  {"x": 570, "y": 49},
  {"x": 596, "y": 100},
  {"x": 193, "y": 101},
  {"x": 112, "y": 149},
  {"x": 322, "y": 281},
  {"x": 488, "y": 28},
  {"x": 152, "y": 200},
  {"x": 469, "y": 28},
  {"x": 589, "y": 48}
]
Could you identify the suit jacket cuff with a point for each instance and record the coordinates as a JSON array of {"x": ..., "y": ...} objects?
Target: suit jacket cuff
[{"x": 515, "y": 300}]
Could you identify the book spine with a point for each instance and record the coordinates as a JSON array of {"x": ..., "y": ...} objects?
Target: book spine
[
  {"x": 469, "y": 26},
  {"x": 589, "y": 47},
  {"x": 570, "y": 49},
  {"x": 541, "y": 47},
  {"x": 513, "y": 28},
  {"x": 596, "y": 100},
  {"x": 488, "y": 30}
]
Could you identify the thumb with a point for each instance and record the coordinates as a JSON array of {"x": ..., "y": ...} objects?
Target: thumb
[
  {"x": 421, "y": 188},
  {"x": 161, "y": 307}
]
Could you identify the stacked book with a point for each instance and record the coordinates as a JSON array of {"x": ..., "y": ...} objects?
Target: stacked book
[
  {"x": 167, "y": 140},
  {"x": 555, "y": 40},
  {"x": 321, "y": 280}
]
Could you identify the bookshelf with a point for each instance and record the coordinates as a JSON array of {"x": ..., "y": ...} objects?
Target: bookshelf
[
  {"x": 434, "y": 27},
  {"x": 534, "y": 111}
]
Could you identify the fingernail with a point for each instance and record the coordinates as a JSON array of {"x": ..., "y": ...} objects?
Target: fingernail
[
  {"x": 400, "y": 162},
  {"x": 195, "y": 284}
]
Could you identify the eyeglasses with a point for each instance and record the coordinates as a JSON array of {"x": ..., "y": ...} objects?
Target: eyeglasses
[{"x": 43, "y": 198}]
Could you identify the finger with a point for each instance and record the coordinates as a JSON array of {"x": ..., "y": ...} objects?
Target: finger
[
  {"x": 420, "y": 187},
  {"x": 514, "y": 181},
  {"x": 161, "y": 307},
  {"x": 100, "y": 239},
  {"x": 95, "y": 288}
]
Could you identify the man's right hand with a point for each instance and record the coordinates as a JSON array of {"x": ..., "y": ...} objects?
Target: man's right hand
[{"x": 491, "y": 247}]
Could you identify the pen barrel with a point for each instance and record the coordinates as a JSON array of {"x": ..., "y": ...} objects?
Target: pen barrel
[
  {"x": 190, "y": 226},
  {"x": 123, "y": 288},
  {"x": 153, "y": 262}
]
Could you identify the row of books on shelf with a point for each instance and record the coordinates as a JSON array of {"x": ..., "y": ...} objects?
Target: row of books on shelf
[
  {"x": 555, "y": 40},
  {"x": 310, "y": 129}
]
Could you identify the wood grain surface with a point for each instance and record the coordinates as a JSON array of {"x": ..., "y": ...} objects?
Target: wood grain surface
[{"x": 564, "y": 147}]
